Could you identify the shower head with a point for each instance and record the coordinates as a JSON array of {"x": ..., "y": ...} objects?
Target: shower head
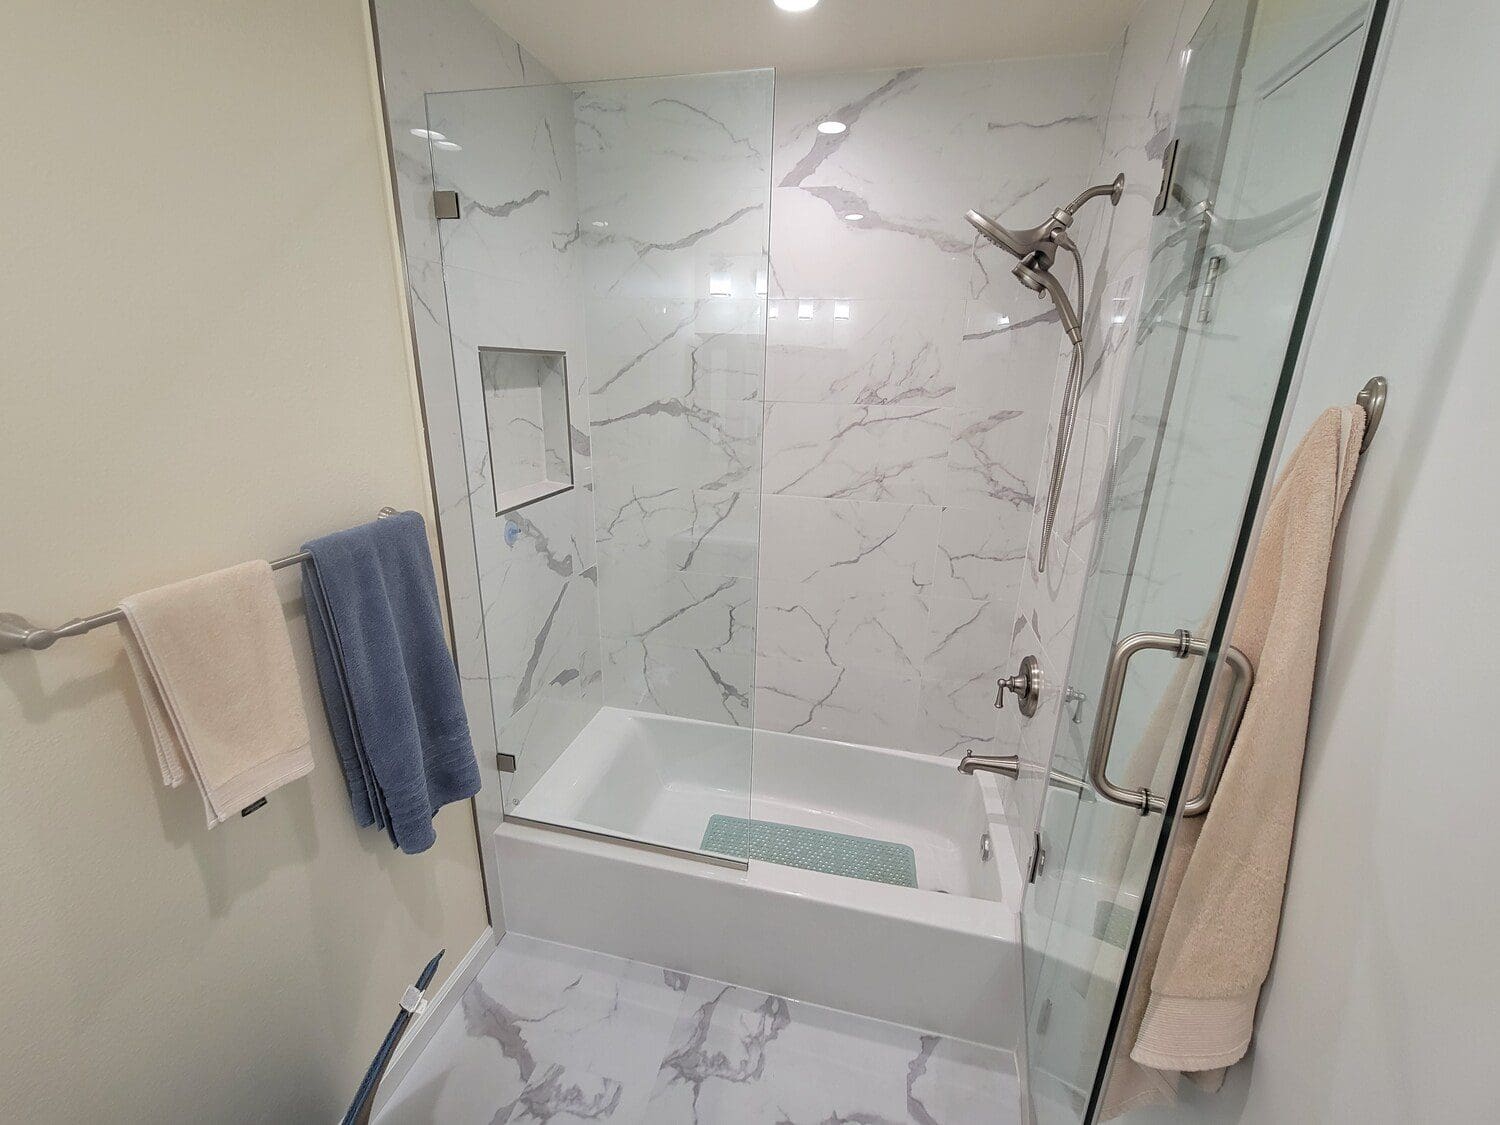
[
  {"x": 1019, "y": 243},
  {"x": 1036, "y": 249}
]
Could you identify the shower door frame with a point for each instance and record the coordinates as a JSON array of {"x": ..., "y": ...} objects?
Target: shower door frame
[{"x": 1346, "y": 158}]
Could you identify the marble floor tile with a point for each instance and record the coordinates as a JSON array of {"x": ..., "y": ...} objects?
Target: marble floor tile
[
  {"x": 743, "y": 1056},
  {"x": 547, "y": 1033}
]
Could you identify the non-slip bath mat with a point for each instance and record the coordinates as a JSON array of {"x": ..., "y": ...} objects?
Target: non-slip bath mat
[{"x": 812, "y": 849}]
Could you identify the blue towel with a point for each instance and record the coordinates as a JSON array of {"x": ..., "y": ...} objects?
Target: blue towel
[{"x": 390, "y": 688}]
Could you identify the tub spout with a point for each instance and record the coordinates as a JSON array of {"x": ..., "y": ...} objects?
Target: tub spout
[{"x": 1007, "y": 764}]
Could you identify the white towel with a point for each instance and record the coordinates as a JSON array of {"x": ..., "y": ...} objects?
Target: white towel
[{"x": 213, "y": 662}]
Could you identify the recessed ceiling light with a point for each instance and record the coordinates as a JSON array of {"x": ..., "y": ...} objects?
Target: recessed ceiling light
[
  {"x": 853, "y": 217},
  {"x": 796, "y": 5},
  {"x": 447, "y": 146},
  {"x": 832, "y": 128},
  {"x": 600, "y": 223},
  {"x": 428, "y": 134}
]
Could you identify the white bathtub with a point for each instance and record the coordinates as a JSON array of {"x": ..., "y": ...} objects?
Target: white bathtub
[{"x": 943, "y": 957}]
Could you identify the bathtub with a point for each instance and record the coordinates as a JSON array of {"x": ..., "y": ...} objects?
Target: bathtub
[{"x": 943, "y": 956}]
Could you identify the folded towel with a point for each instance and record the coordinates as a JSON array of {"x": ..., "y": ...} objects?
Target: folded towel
[
  {"x": 1209, "y": 951},
  {"x": 390, "y": 687},
  {"x": 214, "y": 666}
]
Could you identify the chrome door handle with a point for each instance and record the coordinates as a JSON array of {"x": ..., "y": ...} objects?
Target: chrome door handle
[{"x": 1181, "y": 644}]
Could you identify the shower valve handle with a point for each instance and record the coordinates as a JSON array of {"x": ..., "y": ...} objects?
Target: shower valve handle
[{"x": 1026, "y": 684}]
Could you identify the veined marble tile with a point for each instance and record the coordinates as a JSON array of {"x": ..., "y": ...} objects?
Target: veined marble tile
[
  {"x": 708, "y": 137},
  {"x": 965, "y": 634},
  {"x": 820, "y": 620},
  {"x": 712, "y": 684},
  {"x": 539, "y": 595},
  {"x": 1009, "y": 356},
  {"x": 957, "y": 713},
  {"x": 545, "y": 1032},
  {"x": 994, "y": 460},
  {"x": 876, "y": 353},
  {"x": 677, "y": 246},
  {"x": 710, "y": 531},
  {"x": 741, "y": 1056},
  {"x": 972, "y": 120},
  {"x": 549, "y": 1033},
  {"x": 671, "y": 443},
  {"x": 911, "y": 242},
  {"x": 687, "y": 609},
  {"x": 515, "y": 176},
  {"x": 708, "y": 128},
  {"x": 896, "y": 453},
  {"x": 862, "y": 546},
  {"x": 874, "y": 706},
  {"x": 644, "y": 349},
  {"x": 547, "y": 724},
  {"x": 440, "y": 45},
  {"x": 981, "y": 553}
]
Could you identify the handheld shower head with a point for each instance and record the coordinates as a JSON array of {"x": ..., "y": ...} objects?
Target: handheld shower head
[
  {"x": 1045, "y": 281},
  {"x": 1036, "y": 250},
  {"x": 1018, "y": 243}
]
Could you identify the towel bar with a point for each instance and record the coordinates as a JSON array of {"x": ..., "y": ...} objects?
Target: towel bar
[{"x": 17, "y": 633}]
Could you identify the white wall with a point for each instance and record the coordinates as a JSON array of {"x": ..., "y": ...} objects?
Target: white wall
[
  {"x": 1382, "y": 1000},
  {"x": 201, "y": 338}
]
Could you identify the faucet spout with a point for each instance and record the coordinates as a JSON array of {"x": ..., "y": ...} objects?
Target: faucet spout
[{"x": 1007, "y": 764}]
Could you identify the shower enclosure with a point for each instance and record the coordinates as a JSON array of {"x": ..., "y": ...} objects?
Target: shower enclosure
[{"x": 740, "y": 498}]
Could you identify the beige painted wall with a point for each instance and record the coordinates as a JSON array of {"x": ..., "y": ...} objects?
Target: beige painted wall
[{"x": 203, "y": 361}]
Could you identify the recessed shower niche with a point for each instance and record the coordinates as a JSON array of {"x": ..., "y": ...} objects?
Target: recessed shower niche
[{"x": 526, "y": 424}]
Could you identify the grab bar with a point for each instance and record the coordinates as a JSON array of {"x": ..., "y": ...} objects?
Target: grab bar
[{"x": 1181, "y": 644}]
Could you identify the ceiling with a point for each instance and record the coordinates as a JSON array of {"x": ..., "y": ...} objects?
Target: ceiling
[{"x": 587, "y": 39}]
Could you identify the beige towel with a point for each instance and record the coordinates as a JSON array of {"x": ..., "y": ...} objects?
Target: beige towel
[
  {"x": 214, "y": 666},
  {"x": 1210, "y": 947}
]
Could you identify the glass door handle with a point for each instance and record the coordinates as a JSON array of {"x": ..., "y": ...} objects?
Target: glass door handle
[{"x": 1181, "y": 644}]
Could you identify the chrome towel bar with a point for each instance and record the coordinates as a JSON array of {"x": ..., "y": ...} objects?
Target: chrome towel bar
[{"x": 17, "y": 633}]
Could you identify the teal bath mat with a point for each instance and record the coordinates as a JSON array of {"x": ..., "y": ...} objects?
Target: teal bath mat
[{"x": 878, "y": 861}]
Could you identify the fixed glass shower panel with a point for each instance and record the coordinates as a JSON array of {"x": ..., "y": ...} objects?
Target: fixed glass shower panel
[
  {"x": 1265, "y": 100},
  {"x": 605, "y": 271}
]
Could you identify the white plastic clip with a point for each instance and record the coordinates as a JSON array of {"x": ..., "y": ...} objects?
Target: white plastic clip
[{"x": 414, "y": 1002}]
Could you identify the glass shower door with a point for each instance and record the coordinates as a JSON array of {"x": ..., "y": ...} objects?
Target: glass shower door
[
  {"x": 603, "y": 255},
  {"x": 1265, "y": 101}
]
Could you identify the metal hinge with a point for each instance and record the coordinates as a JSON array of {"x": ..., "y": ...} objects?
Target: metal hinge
[
  {"x": 1038, "y": 858},
  {"x": 1168, "y": 175},
  {"x": 1210, "y": 286},
  {"x": 445, "y": 204},
  {"x": 505, "y": 763}
]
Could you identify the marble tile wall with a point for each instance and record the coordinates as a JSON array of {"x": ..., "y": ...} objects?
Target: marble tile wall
[
  {"x": 1148, "y": 69},
  {"x": 673, "y": 213},
  {"x": 521, "y": 591},
  {"x": 907, "y": 376}
]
